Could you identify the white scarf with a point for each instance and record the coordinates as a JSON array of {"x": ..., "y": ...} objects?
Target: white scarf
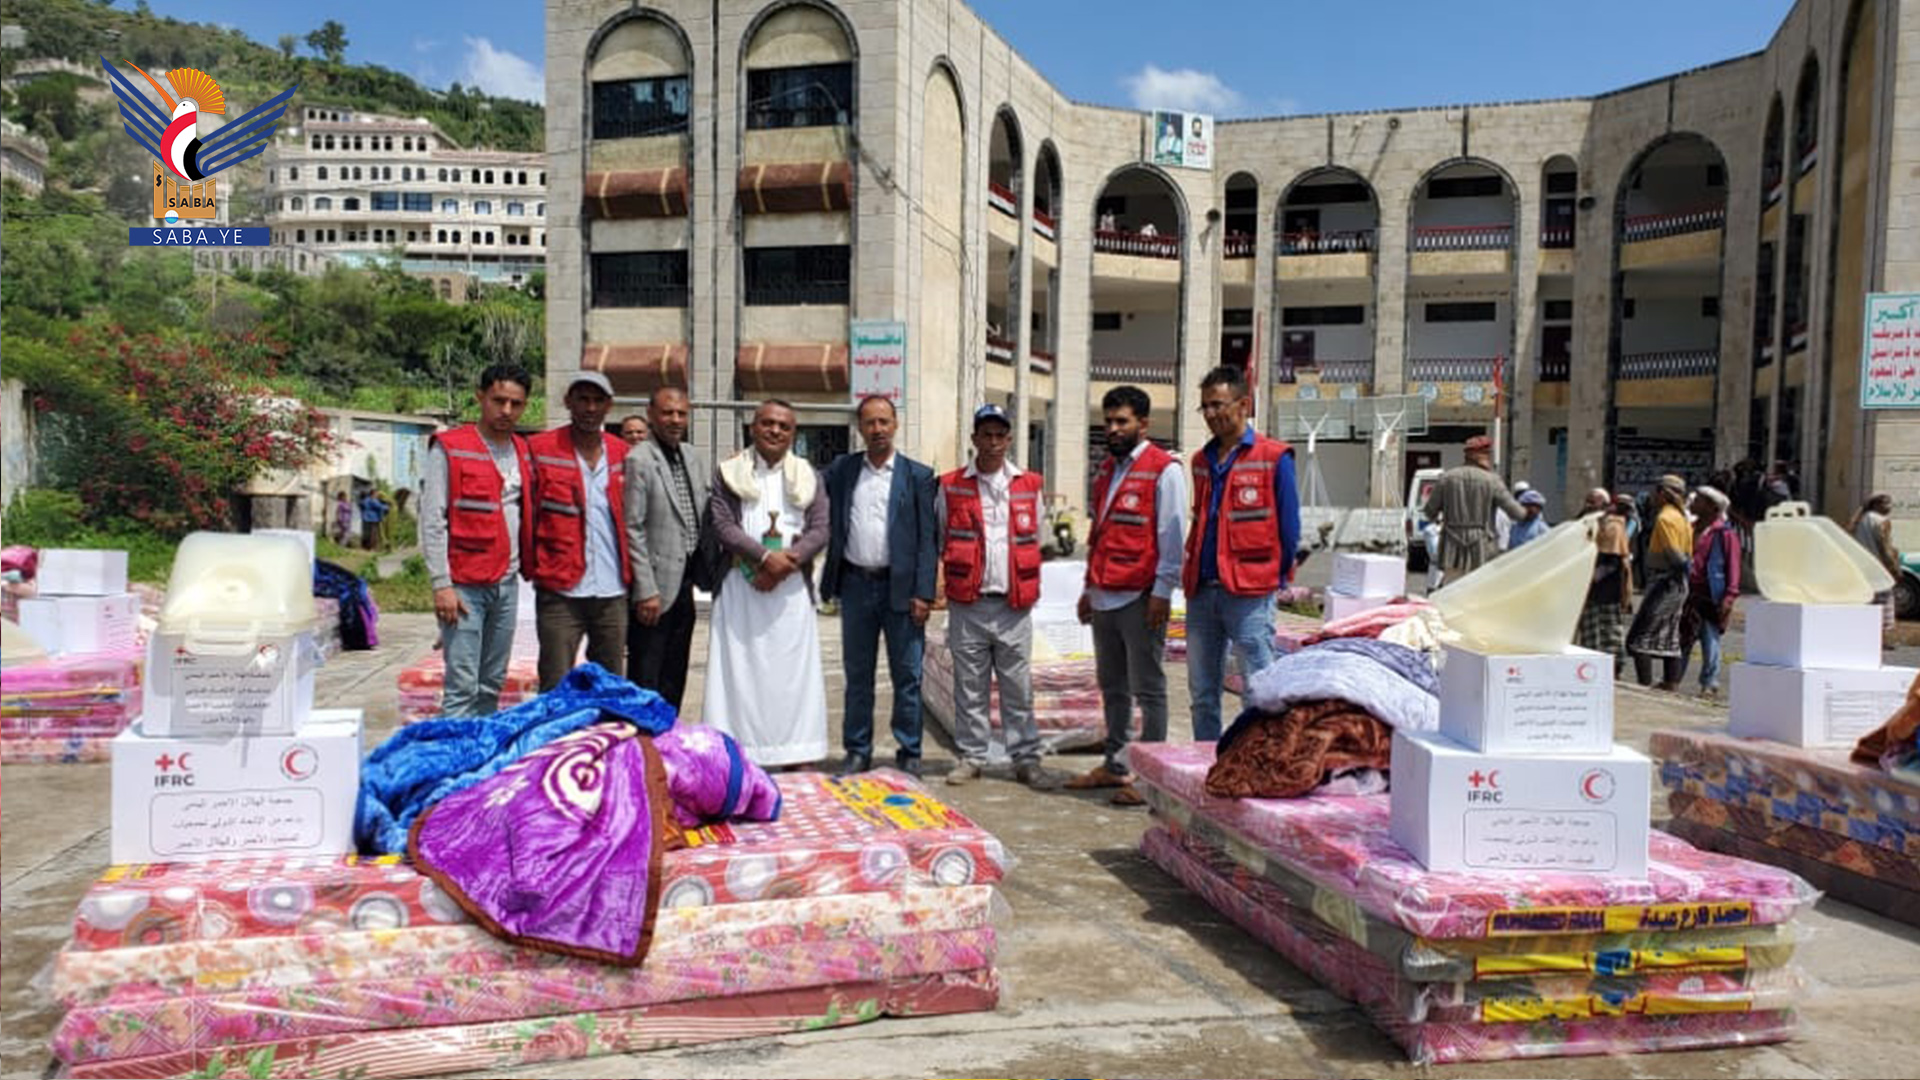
[{"x": 737, "y": 473}]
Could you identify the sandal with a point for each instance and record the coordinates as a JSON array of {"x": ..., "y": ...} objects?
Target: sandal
[
  {"x": 1127, "y": 796},
  {"x": 1097, "y": 777}
]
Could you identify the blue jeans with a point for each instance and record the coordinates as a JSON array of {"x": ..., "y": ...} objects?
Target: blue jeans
[
  {"x": 865, "y": 614},
  {"x": 1217, "y": 619},
  {"x": 1709, "y": 655},
  {"x": 475, "y": 649}
]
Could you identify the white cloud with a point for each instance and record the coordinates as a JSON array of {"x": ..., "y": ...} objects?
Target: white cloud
[
  {"x": 1186, "y": 89},
  {"x": 425, "y": 45},
  {"x": 502, "y": 73}
]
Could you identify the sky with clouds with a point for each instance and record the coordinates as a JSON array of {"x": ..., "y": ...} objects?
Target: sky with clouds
[{"x": 1233, "y": 58}]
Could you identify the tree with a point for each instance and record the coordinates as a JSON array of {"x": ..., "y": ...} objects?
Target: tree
[
  {"x": 287, "y": 44},
  {"x": 329, "y": 41}
]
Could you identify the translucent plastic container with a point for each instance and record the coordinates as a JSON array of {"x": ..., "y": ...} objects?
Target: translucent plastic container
[
  {"x": 230, "y": 591},
  {"x": 1801, "y": 557},
  {"x": 1525, "y": 601}
]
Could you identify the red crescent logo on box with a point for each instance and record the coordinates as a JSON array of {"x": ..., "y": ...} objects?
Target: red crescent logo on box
[
  {"x": 1597, "y": 786},
  {"x": 1585, "y": 672},
  {"x": 299, "y": 762}
]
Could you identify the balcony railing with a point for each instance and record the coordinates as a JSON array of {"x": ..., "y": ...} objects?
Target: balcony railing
[
  {"x": 1673, "y": 364},
  {"x": 1345, "y": 242},
  {"x": 1043, "y": 224},
  {"x": 1677, "y": 223},
  {"x": 1472, "y": 369},
  {"x": 1134, "y": 371},
  {"x": 1120, "y": 242},
  {"x": 1463, "y": 238},
  {"x": 1002, "y": 198},
  {"x": 1555, "y": 368},
  {"x": 1238, "y": 246},
  {"x": 999, "y": 350},
  {"x": 1346, "y": 372},
  {"x": 1556, "y": 236},
  {"x": 1040, "y": 362}
]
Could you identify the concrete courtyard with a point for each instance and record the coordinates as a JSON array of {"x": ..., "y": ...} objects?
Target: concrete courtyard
[{"x": 1110, "y": 967}]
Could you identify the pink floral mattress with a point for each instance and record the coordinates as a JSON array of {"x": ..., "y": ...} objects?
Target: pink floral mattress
[
  {"x": 493, "y": 1045},
  {"x": 1819, "y": 789},
  {"x": 1557, "y": 1022},
  {"x": 131, "y": 1003},
  {"x": 867, "y": 833},
  {"x": 1066, "y": 699},
  {"x": 1343, "y": 846},
  {"x": 55, "y": 749}
]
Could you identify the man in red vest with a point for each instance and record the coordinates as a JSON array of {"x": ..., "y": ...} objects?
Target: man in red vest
[
  {"x": 1246, "y": 528},
  {"x": 473, "y": 535},
  {"x": 989, "y": 518},
  {"x": 578, "y": 561},
  {"x": 1133, "y": 565}
]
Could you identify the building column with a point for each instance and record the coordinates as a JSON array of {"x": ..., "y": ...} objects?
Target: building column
[
  {"x": 1199, "y": 307},
  {"x": 1588, "y": 392},
  {"x": 1020, "y": 299},
  {"x": 1073, "y": 362},
  {"x": 1266, "y": 332},
  {"x": 1524, "y": 344},
  {"x": 1390, "y": 273}
]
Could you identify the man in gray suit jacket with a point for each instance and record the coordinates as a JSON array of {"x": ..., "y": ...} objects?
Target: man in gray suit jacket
[
  {"x": 668, "y": 481},
  {"x": 880, "y": 565}
]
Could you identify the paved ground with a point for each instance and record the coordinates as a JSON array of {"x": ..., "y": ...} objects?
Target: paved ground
[{"x": 1110, "y": 966}]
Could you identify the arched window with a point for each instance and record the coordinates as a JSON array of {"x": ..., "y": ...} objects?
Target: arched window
[
  {"x": 440, "y": 237},
  {"x": 323, "y": 172},
  {"x": 299, "y": 236},
  {"x": 456, "y": 236},
  {"x": 322, "y": 202},
  {"x": 473, "y": 176},
  {"x": 489, "y": 176},
  {"x": 299, "y": 203},
  {"x": 293, "y": 172},
  {"x": 449, "y": 206},
  {"x": 387, "y": 143},
  {"x": 443, "y": 176},
  {"x": 350, "y": 203},
  {"x": 386, "y": 173},
  {"x": 482, "y": 207},
  {"x": 359, "y": 143},
  {"x": 523, "y": 177},
  {"x": 539, "y": 209}
]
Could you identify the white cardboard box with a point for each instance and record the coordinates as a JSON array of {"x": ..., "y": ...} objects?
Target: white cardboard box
[
  {"x": 194, "y": 800},
  {"x": 1528, "y": 704},
  {"x": 269, "y": 692},
  {"x": 82, "y": 624},
  {"x": 1338, "y": 605},
  {"x": 1454, "y": 809},
  {"x": 1829, "y": 707},
  {"x": 1813, "y": 635},
  {"x": 1369, "y": 575},
  {"x": 71, "y": 572}
]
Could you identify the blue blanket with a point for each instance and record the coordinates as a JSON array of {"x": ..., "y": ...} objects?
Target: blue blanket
[{"x": 426, "y": 762}]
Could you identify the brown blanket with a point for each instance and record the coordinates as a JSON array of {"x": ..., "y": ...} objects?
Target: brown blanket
[
  {"x": 1287, "y": 755},
  {"x": 1898, "y": 731}
]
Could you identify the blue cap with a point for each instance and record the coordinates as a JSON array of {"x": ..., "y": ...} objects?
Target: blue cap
[
  {"x": 990, "y": 412},
  {"x": 1532, "y": 498}
]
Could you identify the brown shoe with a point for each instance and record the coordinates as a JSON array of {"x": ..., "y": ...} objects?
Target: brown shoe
[
  {"x": 1127, "y": 796},
  {"x": 1096, "y": 777}
]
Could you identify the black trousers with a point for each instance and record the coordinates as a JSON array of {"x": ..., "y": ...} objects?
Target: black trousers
[{"x": 657, "y": 655}]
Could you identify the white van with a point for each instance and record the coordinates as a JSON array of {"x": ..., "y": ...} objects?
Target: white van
[{"x": 1418, "y": 527}]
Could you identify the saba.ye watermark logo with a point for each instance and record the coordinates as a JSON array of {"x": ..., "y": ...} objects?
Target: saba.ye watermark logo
[{"x": 186, "y": 159}]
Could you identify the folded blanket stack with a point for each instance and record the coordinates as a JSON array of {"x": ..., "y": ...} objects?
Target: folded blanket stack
[
  {"x": 867, "y": 898},
  {"x": 1066, "y": 698},
  {"x": 68, "y": 708},
  {"x": 1852, "y": 830},
  {"x": 1481, "y": 967}
]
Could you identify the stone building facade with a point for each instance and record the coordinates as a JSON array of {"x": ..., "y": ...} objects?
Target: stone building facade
[{"x": 1667, "y": 277}]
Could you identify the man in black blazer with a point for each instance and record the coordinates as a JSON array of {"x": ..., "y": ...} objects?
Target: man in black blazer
[{"x": 880, "y": 566}]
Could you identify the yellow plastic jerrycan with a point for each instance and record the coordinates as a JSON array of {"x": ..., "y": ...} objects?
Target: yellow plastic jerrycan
[
  {"x": 1801, "y": 557},
  {"x": 1525, "y": 601}
]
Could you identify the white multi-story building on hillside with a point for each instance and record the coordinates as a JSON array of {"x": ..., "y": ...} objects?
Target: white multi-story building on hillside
[{"x": 355, "y": 186}]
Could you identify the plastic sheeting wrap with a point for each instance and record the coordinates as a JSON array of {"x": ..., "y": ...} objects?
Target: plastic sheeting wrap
[
  {"x": 867, "y": 898},
  {"x": 1480, "y": 966},
  {"x": 68, "y": 708},
  {"x": 1558, "y": 1018},
  {"x": 1852, "y": 830}
]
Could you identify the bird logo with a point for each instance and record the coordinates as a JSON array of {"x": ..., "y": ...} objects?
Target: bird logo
[{"x": 185, "y": 156}]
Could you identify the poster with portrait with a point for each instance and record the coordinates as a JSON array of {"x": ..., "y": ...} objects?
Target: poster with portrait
[{"x": 1183, "y": 140}]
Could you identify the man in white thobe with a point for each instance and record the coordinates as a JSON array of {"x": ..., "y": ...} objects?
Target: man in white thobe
[{"x": 765, "y": 685}]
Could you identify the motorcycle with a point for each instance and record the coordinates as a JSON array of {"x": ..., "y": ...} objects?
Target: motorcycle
[{"x": 1060, "y": 517}]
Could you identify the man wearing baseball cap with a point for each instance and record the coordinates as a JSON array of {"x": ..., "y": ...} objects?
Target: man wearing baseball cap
[
  {"x": 988, "y": 514},
  {"x": 578, "y": 560},
  {"x": 1463, "y": 501}
]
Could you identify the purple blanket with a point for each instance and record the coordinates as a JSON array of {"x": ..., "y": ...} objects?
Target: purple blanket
[{"x": 560, "y": 851}]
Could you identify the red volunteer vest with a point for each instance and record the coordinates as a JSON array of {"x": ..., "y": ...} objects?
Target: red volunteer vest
[
  {"x": 560, "y": 510},
  {"x": 1124, "y": 545},
  {"x": 1248, "y": 544},
  {"x": 965, "y": 557},
  {"x": 478, "y": 548}
]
